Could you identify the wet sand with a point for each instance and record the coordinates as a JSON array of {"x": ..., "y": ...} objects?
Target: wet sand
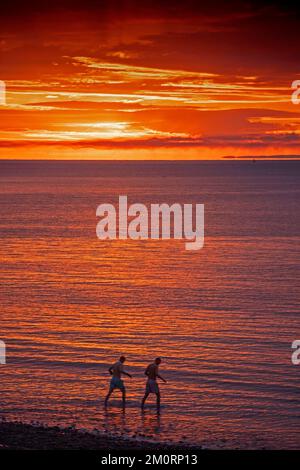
[{"x": 21, "y": 436}]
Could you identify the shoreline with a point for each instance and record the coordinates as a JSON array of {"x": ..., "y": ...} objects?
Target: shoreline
[{"x": 23, "y": 436}]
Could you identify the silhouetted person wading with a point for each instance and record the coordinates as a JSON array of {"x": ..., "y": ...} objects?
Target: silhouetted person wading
[
  {"x": 116, "y": 382},
  {"x": 152, "y": 385}
]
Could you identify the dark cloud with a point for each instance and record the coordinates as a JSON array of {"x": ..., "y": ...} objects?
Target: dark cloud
[
  {"x": 250, "y": 141},
  {"x": 231, "y": 36}
]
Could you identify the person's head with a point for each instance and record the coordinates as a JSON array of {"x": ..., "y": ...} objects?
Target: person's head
[
  {"x": 157, "y": 361},
  {"x": 122, "y": 359}
]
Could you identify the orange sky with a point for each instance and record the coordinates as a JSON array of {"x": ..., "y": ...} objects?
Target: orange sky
[{"x": 115, "y": 79}]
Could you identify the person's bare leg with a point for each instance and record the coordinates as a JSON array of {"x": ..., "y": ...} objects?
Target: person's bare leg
[
  {"x": 107, "y": 397},
  {"x": 144, "y": 399},
  {"x": 123, "y": 397},
  {"x": 158, "y": 400}
]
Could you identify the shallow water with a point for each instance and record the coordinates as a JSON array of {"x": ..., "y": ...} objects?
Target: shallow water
[{"x": 222, "y": 318}]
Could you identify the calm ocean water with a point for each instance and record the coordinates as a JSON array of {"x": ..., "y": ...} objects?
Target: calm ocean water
[{"x": 222, "y": 318}]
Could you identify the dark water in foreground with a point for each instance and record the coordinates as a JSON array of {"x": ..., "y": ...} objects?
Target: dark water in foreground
[{"x": 222, "y": 318}]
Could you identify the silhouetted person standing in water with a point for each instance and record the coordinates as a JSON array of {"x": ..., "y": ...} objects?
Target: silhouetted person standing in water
[
  {"x": 116, "y": 382},
  {"x": 152, "y": 385}
]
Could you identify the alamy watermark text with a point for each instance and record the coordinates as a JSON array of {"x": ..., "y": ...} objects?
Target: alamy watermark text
[{"x": 162, "y": 221}]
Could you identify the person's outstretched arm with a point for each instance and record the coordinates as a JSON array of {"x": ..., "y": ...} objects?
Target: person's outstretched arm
[
  {"x": 126, "y": 373},
  {"x": 110, "y": 370},
  {"x": 161, "y": 378}
]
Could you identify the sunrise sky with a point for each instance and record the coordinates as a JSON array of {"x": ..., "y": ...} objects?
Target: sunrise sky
[{"x": 139, "y": 80}]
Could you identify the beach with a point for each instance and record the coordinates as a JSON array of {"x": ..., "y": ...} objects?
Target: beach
[{"x": 22, "y": 436}]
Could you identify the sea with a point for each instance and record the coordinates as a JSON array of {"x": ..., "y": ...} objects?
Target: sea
[{"x": 222, "y": 319}]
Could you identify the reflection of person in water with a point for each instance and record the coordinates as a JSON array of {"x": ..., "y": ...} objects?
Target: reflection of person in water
[
  {"x": 152, "y": 385},
  {"x": 151, "y": 422},
  {"x": 116, "y": 382}
]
